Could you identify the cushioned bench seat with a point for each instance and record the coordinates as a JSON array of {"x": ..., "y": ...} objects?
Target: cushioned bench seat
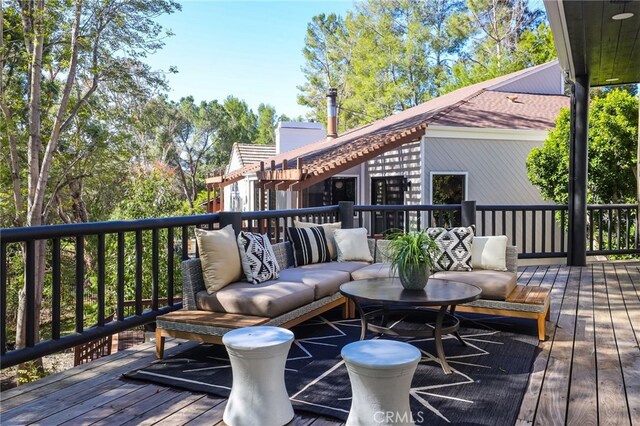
[
  {"x": 495, "y": 285},
  {"x": 375, "y": 270},
  {"x": 335, "y": 266},
  {"x": 268, "y": 299},
  {"x": 324, "y": 282},
  {"x": 304, "y": 292}
]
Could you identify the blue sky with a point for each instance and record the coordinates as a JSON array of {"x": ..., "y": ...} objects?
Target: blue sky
[{"x": 248, "y": 49}]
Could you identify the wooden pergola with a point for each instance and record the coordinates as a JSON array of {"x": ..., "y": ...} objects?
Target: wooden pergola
[{"x": 313, "y": 167}]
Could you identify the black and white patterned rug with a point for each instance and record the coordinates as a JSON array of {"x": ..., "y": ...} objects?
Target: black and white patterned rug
[{"x": 489, "y": 377}]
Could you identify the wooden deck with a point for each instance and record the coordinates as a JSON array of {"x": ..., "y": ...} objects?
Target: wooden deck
[{"x": 587, "y": 372}]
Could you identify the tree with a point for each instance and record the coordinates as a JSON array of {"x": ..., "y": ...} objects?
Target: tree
[
  {"x": 327, "y": 53},
  {"x": 267, "y": 119},
  {"x": 384, "y": 57},
  {"x": 399, "y": 59},
  {"x": 150, "y": 191},
  {"x": 54, "y": 57},
  {"x": 193, "y": 143},
  {"x": 504, "y": 36},
  {"x": 240, "y": 126},
  {"x": 613, "y": 141}
]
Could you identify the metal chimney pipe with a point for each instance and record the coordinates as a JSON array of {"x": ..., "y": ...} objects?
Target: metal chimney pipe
[{"x": 332, "y": 116}]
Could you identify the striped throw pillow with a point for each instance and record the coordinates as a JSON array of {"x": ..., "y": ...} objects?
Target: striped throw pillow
[{"x": 309, "y": 245}]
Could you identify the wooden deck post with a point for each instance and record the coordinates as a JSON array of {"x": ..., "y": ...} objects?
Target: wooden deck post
[
  {"x": 468, "y": 213},
  {"x": 345, "y": 214},
  {"x": 231, "y": 218},
  {"x": 578, "y": 165}
]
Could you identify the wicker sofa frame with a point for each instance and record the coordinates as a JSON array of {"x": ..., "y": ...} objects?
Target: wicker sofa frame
[{"x": 193, "y": 324}]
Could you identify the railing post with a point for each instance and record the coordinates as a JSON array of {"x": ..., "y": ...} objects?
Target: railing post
[
  {"x": 345, "y": 213},
  {"x": 468, "y": 213},
  {"x": 231, "y": 218},
  {"x": 578, "y": 172}
]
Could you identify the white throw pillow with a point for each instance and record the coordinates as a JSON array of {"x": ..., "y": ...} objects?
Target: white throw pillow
[
  {"x": 352, "y": 245},
  {"x": 219, "y": 257},
  {"x": 489, "y": 253},
  {"x": 328, "y": 232}
]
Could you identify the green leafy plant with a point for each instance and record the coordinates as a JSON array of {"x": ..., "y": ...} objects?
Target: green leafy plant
[
  {"x": 411, "y": 254},
  {"x": 30, "y": 372}
]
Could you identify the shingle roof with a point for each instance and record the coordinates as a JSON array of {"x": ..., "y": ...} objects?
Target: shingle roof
[
  {"x": 505, "y": 110},
  {"x": 253, "y": 153},
  {"x": 473, "y": 104}
]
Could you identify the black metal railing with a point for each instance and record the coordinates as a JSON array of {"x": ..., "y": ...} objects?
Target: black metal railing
[
  {"x": 539, "y": 231},
  {"x": 275, "y": 222},
  {"x": 382, "y": 219},
  {"x": 132, "y": 261},
  {"x": 114, "y": 246},
  {"x": 612, "y": 229}
]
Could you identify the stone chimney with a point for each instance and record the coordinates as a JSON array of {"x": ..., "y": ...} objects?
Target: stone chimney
[{"x": 332, "y": 116}]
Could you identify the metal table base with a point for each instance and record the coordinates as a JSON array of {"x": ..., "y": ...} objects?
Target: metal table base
[{"x": 380, "y": 319}]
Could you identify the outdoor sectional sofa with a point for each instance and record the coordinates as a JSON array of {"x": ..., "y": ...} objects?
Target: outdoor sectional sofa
[{"x": 303, "y": 292}]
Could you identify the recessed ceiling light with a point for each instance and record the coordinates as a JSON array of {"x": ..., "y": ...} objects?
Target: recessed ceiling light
[
  {"x": 612, "y": 79},
  {"x": 621, "y": 16}
]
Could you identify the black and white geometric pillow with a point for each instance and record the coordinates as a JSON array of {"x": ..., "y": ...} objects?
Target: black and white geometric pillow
[
  {"x": 258, "y": 260},
  {"x": 455, "y": 248},
  {"x": 309, "y": 245}
]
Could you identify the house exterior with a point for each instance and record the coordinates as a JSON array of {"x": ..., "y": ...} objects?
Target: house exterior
[
  {"x": 470, "y": 144},
  {"x": 242, "y": 195}
]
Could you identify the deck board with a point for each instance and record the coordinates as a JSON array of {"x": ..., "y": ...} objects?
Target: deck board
[
  {"x": 529, "y": 404},
  {"x": 552, "y": 404},
  {"x": 587, "y": 371},
  {"x": 612, "y": 405},
  {"x": 583, "y": 398}
]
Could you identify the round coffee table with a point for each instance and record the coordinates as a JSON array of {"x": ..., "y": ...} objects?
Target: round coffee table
[{"x": 385, "y": 298}]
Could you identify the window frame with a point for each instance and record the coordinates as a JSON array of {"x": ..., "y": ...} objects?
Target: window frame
[{"x": 454, "y": 173}]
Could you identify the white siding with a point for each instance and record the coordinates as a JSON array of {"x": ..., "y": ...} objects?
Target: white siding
[
  {"x": 291, "y": 135},
  {"x": 547, "y": 81},
  {"x": 404, "y": 161}
]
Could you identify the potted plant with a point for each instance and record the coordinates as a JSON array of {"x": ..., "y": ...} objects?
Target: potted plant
[{"x": 412, "y": 256}]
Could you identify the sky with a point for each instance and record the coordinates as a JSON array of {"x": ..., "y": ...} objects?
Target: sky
[{"x": 249, "y": 49}]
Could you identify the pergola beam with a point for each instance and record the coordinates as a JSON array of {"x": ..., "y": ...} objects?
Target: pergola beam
[{"x": 376, "y": 149}]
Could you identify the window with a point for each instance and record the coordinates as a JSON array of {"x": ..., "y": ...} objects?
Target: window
[
  {"x": 343, "y": 189},
  {"x": 236, "y": 199},
  {"x": 448, "y": 187},
  {"x": 331, "y": 191}
]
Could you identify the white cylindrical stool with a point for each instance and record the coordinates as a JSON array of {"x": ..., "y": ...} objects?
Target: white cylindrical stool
[
  {"x": 258, "y": 394},
  {"x": 380, "y": 372}
]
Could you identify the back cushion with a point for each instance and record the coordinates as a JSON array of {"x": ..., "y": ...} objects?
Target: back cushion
[
  {"x": 328, "y": 232},
  {"x": 219, "y": 256},
  {"x": 489, "y": 253},
  {"x": 284, "y": 254},
  {"x": 309, "y": 245},
  {"x": 454, "y": 248}
]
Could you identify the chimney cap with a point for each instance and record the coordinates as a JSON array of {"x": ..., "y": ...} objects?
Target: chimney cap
[{"x": 332, "y": 91}]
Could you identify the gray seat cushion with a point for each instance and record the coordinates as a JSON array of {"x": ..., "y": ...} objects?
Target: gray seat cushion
[
  {"x": 324, "y": 282},
  {"x": 376, "y": 270},
  {"x": 495, "y": 285},
  {"x": 336, "y": 266},
  {"x": 268, "y": 299}
]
